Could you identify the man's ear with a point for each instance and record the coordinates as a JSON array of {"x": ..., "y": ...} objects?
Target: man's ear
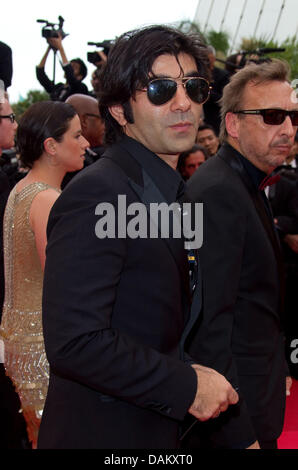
[
  {"x": 50, "y": 146},
  {"x": 117, "y": 112},
  {"x": 83, "y": 121},
  {"x": 232, "y": 125}
]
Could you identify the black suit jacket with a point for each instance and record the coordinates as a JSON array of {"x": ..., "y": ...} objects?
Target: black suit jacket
[
  {"x": 4, "y": 193},
  {"x": 240, "y": 330},
  {"x": 283, "y": 197},
  {"x": 114, "y": 313}
]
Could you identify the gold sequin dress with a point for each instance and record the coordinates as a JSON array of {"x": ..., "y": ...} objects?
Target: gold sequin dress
[{"x": 21, "y": 328}]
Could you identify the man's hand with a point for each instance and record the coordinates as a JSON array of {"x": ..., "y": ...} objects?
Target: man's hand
[
  {"x": 292, "y": 241},
  {"x": 102, "y": 56},
  {"x": 255, "y": 445},
  {"x": 56, "y": 43},
  {"x": 214, "y": 394}
]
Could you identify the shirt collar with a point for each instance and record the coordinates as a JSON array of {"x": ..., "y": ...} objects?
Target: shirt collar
[
  {"x": 256, "y": 175},
  {"x": 168, "y": 181}
]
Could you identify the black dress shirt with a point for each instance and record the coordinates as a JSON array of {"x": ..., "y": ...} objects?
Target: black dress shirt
[
  {"x": 4, "y": 193},
  {"x": 168, "y": 180}
]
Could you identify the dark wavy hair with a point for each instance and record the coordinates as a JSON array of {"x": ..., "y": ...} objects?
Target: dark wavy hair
[
  {"x": 83, "y": 68},
  {"x": 42, "y": 120},
  {"x": 129, "y": 67}
]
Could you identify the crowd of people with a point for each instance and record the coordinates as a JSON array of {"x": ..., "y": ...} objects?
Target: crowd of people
[{"x": 120, "y": 339}]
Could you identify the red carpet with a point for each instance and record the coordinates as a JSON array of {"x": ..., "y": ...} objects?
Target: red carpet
[{"x": 289, "y": 437}]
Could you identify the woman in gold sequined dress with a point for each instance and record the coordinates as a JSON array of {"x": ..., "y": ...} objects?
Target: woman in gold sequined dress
[{"x": 50, "y": 144}]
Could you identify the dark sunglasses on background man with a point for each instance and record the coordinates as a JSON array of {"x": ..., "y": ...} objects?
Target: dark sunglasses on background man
[
  {"x": 273, "y": 116},
  {"x": 162, "y": 90},
  {"x": 93, "y": 115},
  {"x": 11, "y": 116}
]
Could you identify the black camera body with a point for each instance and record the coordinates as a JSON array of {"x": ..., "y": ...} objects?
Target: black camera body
[
  {"x": 259, "y": 53},
  {"x": 52, "y": 30},
  {"x": 93, "y": 57},
  {"x": 49, "y": 33}
]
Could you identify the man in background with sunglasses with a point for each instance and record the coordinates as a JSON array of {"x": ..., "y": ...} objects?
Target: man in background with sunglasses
[
  {"x": 8, "y": 127},
  {"x": 116, "y": 308},
  {"x": 92, "y": 129},
  {"x": 241, "y": 334},
  {"x": 13, "y": 433}
]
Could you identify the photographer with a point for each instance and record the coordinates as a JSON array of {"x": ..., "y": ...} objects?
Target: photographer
[
  {"x": 75, "y": 72},
  {"x": 98, "y": 59},
  {"x": 95, "y": 83}
]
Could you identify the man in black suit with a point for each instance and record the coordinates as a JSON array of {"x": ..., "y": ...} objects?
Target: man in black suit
[
  {"x": 92, "y": 129},
  {"x": 283, "y": 197},
  {"x": 116, "y": 302},
  {"x": 8, "y": 128},
  {"x": 240, "y": 331},
  {"x": 13, "y": 429}
]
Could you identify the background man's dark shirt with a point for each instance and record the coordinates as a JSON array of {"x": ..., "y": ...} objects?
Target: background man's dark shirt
[
  {"x": 60, "y": 91},
  {"x": 4, "y": 193}
]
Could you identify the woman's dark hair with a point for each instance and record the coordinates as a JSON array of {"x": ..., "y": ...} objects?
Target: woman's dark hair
[
  {"x": 42, "y": 120},
  {"x": 129, "y": 67}
]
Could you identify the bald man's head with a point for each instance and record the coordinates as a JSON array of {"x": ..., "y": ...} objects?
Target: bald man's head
[
  {"x": 91, "y": 122},
  {"x": 83, "y": 104}
]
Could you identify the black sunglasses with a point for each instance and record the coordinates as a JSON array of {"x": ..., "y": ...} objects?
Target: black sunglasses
[
  {"x": 93, "y": 115},
  {"x": 273, "y": 116},
  {"x": 11, "y": 116},
  {"x": 162, "y": 90}
]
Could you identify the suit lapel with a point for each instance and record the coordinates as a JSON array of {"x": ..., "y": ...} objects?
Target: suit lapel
[
  {"x": 151, "y": 194},
  {"x": 226, "y": 153},
  {"x": 237, "y": 166},
  {"x": 147, "y": 191}
]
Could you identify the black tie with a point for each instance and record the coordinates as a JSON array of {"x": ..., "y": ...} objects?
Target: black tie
[{"x": 192, "y": 254}]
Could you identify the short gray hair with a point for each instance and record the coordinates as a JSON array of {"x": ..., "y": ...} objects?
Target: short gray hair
[{"x": 275, "y": 70}]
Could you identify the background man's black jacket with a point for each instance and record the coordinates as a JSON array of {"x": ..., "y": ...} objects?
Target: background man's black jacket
[{"x": 239, "y": 332}]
